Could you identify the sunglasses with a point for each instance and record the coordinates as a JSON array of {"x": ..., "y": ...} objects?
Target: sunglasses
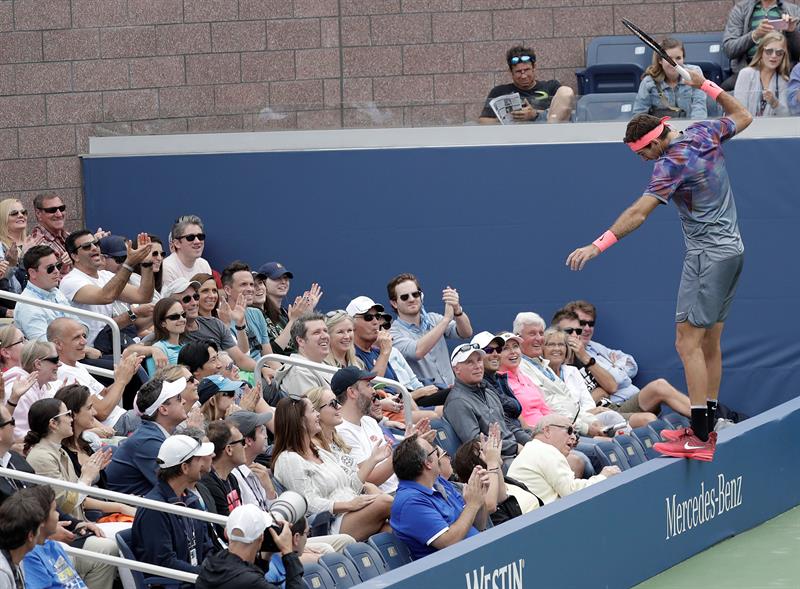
[
  {"x": 67, "y": 412},
  {"x": 379, "y": 316},
  {"x": 117, "y": 259},
  {"x": 87, "y": 246},
  {"x": 17, "y": 342},
  {"x": 192, "y": 236},
  {"x": 521, "y": 59},
  {"x": 587, "y": 323},
  {"x": 230, "y": 366},
  {"x": 50, "y": 268},
  {"x": 336, "y": 313},
  {"x": 52, "y": 359},
  {"x": 191, "y": 379},
  {"x": 416, "y": 294},
  {"x": 22, "y": 212},
  {"x": 11, "y": 422},
  {"x": 228, "y": 393},
  {"x": 333, "y": 405},
  {"x": 175, "y": 316},
  {"x": 239, "y": 441},
  {"x": 434, "y": 451},
  {"x": 571, "y": 330},
  {"x": 775, "y": 52},
  {"x": 467, "y": 347},
  {"x": 188, "y": 298},
  {"x": 157, "y": 254},
  {"x": 493, "y": 349},
  {"x": 376, "y": 397},
  {"x": 568, "y": 428},
  {"x": 53, "y": 210}
]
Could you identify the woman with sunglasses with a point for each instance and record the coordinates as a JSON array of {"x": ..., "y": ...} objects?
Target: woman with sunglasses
[
  {"x": 51, "y": 423},
  {"x": 16, "y": 380},
  {"x": 13, "y": 236},
  {"x": 169, "y": 325},
  {"x": 318, "y": 475},
  {"x": 763, "y": 86},
  {"x": 40, "y": 362}
]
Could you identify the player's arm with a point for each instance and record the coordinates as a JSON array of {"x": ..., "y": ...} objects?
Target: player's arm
[
  {"x": 734, "y": 109},
  {"x": 628, "y": 221}
]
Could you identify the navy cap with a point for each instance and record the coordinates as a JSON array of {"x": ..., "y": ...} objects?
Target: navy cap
[
  {"x": 274, "y": 270},
  {"x": 347, "y": 377},
  {"x": 113, "y": 245}
]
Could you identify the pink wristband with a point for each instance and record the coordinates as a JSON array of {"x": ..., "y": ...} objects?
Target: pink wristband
[
  {"x": 711, "y": 89},
  {"x": 605, "y": 241}
]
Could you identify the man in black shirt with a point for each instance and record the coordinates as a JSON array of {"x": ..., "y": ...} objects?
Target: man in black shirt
[{"x": 542, "y": 101}]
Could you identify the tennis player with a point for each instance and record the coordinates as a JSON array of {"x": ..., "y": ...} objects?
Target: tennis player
[{"x": 690, "y": 171}]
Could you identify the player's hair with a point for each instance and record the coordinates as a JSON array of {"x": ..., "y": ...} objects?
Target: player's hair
[
  {"x": 640, "y": 125},
  {"x": 656, "y": 70},
  {"x": 519, "y": 51}
]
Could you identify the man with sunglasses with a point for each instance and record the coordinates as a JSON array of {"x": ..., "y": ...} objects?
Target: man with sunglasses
[
  {"x": 543, "y": 101},
  {"x": 187, "y": 240},
  {"x": 49, "y": 229},
  {"x": 419, "y": 335},
  {"x": 542, "y": 464},
  {"x": 229, "y": 454}
]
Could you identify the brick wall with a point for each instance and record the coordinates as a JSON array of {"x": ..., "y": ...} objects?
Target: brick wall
[{"x": 70, "y": 69}]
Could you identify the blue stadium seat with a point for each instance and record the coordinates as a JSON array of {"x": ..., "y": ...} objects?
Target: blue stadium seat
[
  {"x": 605, "y": 107},
  {"x": 124, "y": 544},
  {"x": 608, "y": 78},
  {"x": 319, "y": 524},
  {"x": 367, "y": 561},
  {"x": 446, "y": 436},
  {"x": 317, "y": 577},
  {"x": 705, "y": 48},
  {"x": 589, "y": 447},
  {"x": 647, "y": 437},
  {"x": 612, "y": 454},
  {"x": 676, "y": 420},
  {"x": 618, "y": 49},
  {"x": 342, "y": 570},
  {"x": 658, "y": 425},
  {"x": 393, "y": 551},
  {"x": 634, "y": 453}
]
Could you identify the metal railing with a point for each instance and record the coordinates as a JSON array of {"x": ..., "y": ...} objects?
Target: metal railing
[
  {"x": 316, "y": 367},
  {"x": 115, "y": 336}
]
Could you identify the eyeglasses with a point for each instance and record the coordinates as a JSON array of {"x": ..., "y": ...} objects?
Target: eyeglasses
[
  {"x": 335, "y": 404},
  {"x": 12, "y": 422},
  {"x": 467, "y": 347},
  {"x": 239, "y": 441},
  {"x": 67, "y": 412},
  {"x": 493, "y": 349},
  {"x": 775, "y": 52},
  {"x": 188, "y": 298},
  {"x": 175, "y": 316},
  {"x": 87, "y": 246},
  {"x": 568, "y": 428},
  {"x": 53, "y": 359},
  {"x": 157, "y": 254},
  {"x": 192, "y": 236},
  {"x": 416, "y": 294},
  {"x": 521, "y": 59},
  {"x": 17, "y": 342},
  {"x": 53, "y": 210},
  {"x": 571, "y": 330},
  {"x": 378, "y": 316},
  {"x": 117, "y": 259},
  {"x": 22, "y": 212},
  {"x": 50, "y": 268},
  {"x": 555, "y": 345},
  {"x": 586, "y": 323}
]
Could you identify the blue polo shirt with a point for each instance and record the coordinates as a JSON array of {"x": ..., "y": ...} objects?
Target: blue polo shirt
[
  {"x": 369, "y": 359},
  {"x": 420, "y": 515}
]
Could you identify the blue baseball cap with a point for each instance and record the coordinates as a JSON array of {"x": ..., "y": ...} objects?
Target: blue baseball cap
[
  {"x": 274, "y": 270},
  {"x": 216, "y": 383}
]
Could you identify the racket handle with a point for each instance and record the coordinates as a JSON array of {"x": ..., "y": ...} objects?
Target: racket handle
[{"x": 683, "y": 73}]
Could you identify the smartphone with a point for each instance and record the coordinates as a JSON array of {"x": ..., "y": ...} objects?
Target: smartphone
[{"x": 779, "y": 24}]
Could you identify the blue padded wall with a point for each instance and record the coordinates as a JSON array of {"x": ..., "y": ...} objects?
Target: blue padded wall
[{"x": 496, "y": 222}]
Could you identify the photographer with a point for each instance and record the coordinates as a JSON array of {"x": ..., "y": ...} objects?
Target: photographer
[{"x": 235, "y": 567}]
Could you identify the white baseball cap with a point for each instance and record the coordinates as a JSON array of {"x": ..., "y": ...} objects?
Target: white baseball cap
[
  {"x": 361, "y": 305},
  {"x": 178, "y": 449},
  {"x": 507, "y": 335},
  {"x": 484, "y": 338},
  {"x": 464, "y": 351},
  {"x": 246, "y": 523},
  {"x": 178, "y": 285},
  {"x": 168, "y": 390}
]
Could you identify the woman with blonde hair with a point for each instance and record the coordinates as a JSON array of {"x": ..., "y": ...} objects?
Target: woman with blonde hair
[
  {"x": 40, "y": 361},
  {"x": 763, "y": 86},
  {"x": 663, "y": 92},
  {"x": 13, "y": 233},
  {"x": 340, "y": 330},
  {"x": 16, "y": 380}
]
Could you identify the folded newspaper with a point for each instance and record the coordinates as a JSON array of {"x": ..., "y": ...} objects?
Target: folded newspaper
[{"x": 504, "y": 105}]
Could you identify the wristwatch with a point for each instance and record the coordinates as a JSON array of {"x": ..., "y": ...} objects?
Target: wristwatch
[
  {"x": 132, "y": 316},
  {"x": 591, "y": 362},
  {"x": 241, "y": 327}
]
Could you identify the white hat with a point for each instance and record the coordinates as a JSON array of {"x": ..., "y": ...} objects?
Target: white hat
[
  {"x": 484, "y": 338},
  {"x": 507, "y": 335},
  {"x": 178, "y": 285},
  {"x": 178, "y": 449},
  {"x": 168, "y": 390},
  {"x": 361, "y": 305},
  {"x": 464, "y": 351},
  {"x": 246, "y": 523}
]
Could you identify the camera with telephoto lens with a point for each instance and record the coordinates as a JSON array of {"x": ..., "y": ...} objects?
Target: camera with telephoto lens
[{"x": 287, "y": 509}]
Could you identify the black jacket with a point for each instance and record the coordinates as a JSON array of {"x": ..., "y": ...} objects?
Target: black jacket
[{"x": 224, "y": 570}]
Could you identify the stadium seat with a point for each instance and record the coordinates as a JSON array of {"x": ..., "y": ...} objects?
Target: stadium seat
[
  {"x": 392, "y": 550},
  {"x": 319, "y": 524},
  {"x": 589, "y": 447},
  {"x": 124, "y": 544},
  {"x": 609, "y": 78},
  {"x": 367, "y": 561},
  {"x": 605, "y": 107},
  {"x": 705, "y": 48},
  {"x": 342, "y": 570},
  {"x": 647, "y": 436},
  {"x": 634, "y": 453},
  {"x": 618, "y": 49},
  {"x": 317, "y": 577},
  {"x": 676, "y": 420},
  {"x": 612, "y": 454},
  {"x": 658, "y": 425},
  {"x": 446, "y": 436}
]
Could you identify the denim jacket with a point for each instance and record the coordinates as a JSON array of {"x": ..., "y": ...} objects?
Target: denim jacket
[{"x": 691, "y": 100}]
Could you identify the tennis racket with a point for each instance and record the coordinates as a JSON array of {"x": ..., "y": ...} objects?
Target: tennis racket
[{"x": 648, "y": 40}]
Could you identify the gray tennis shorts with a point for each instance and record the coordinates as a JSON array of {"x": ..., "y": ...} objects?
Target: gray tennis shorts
[{"x": 707, "y": 288}]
